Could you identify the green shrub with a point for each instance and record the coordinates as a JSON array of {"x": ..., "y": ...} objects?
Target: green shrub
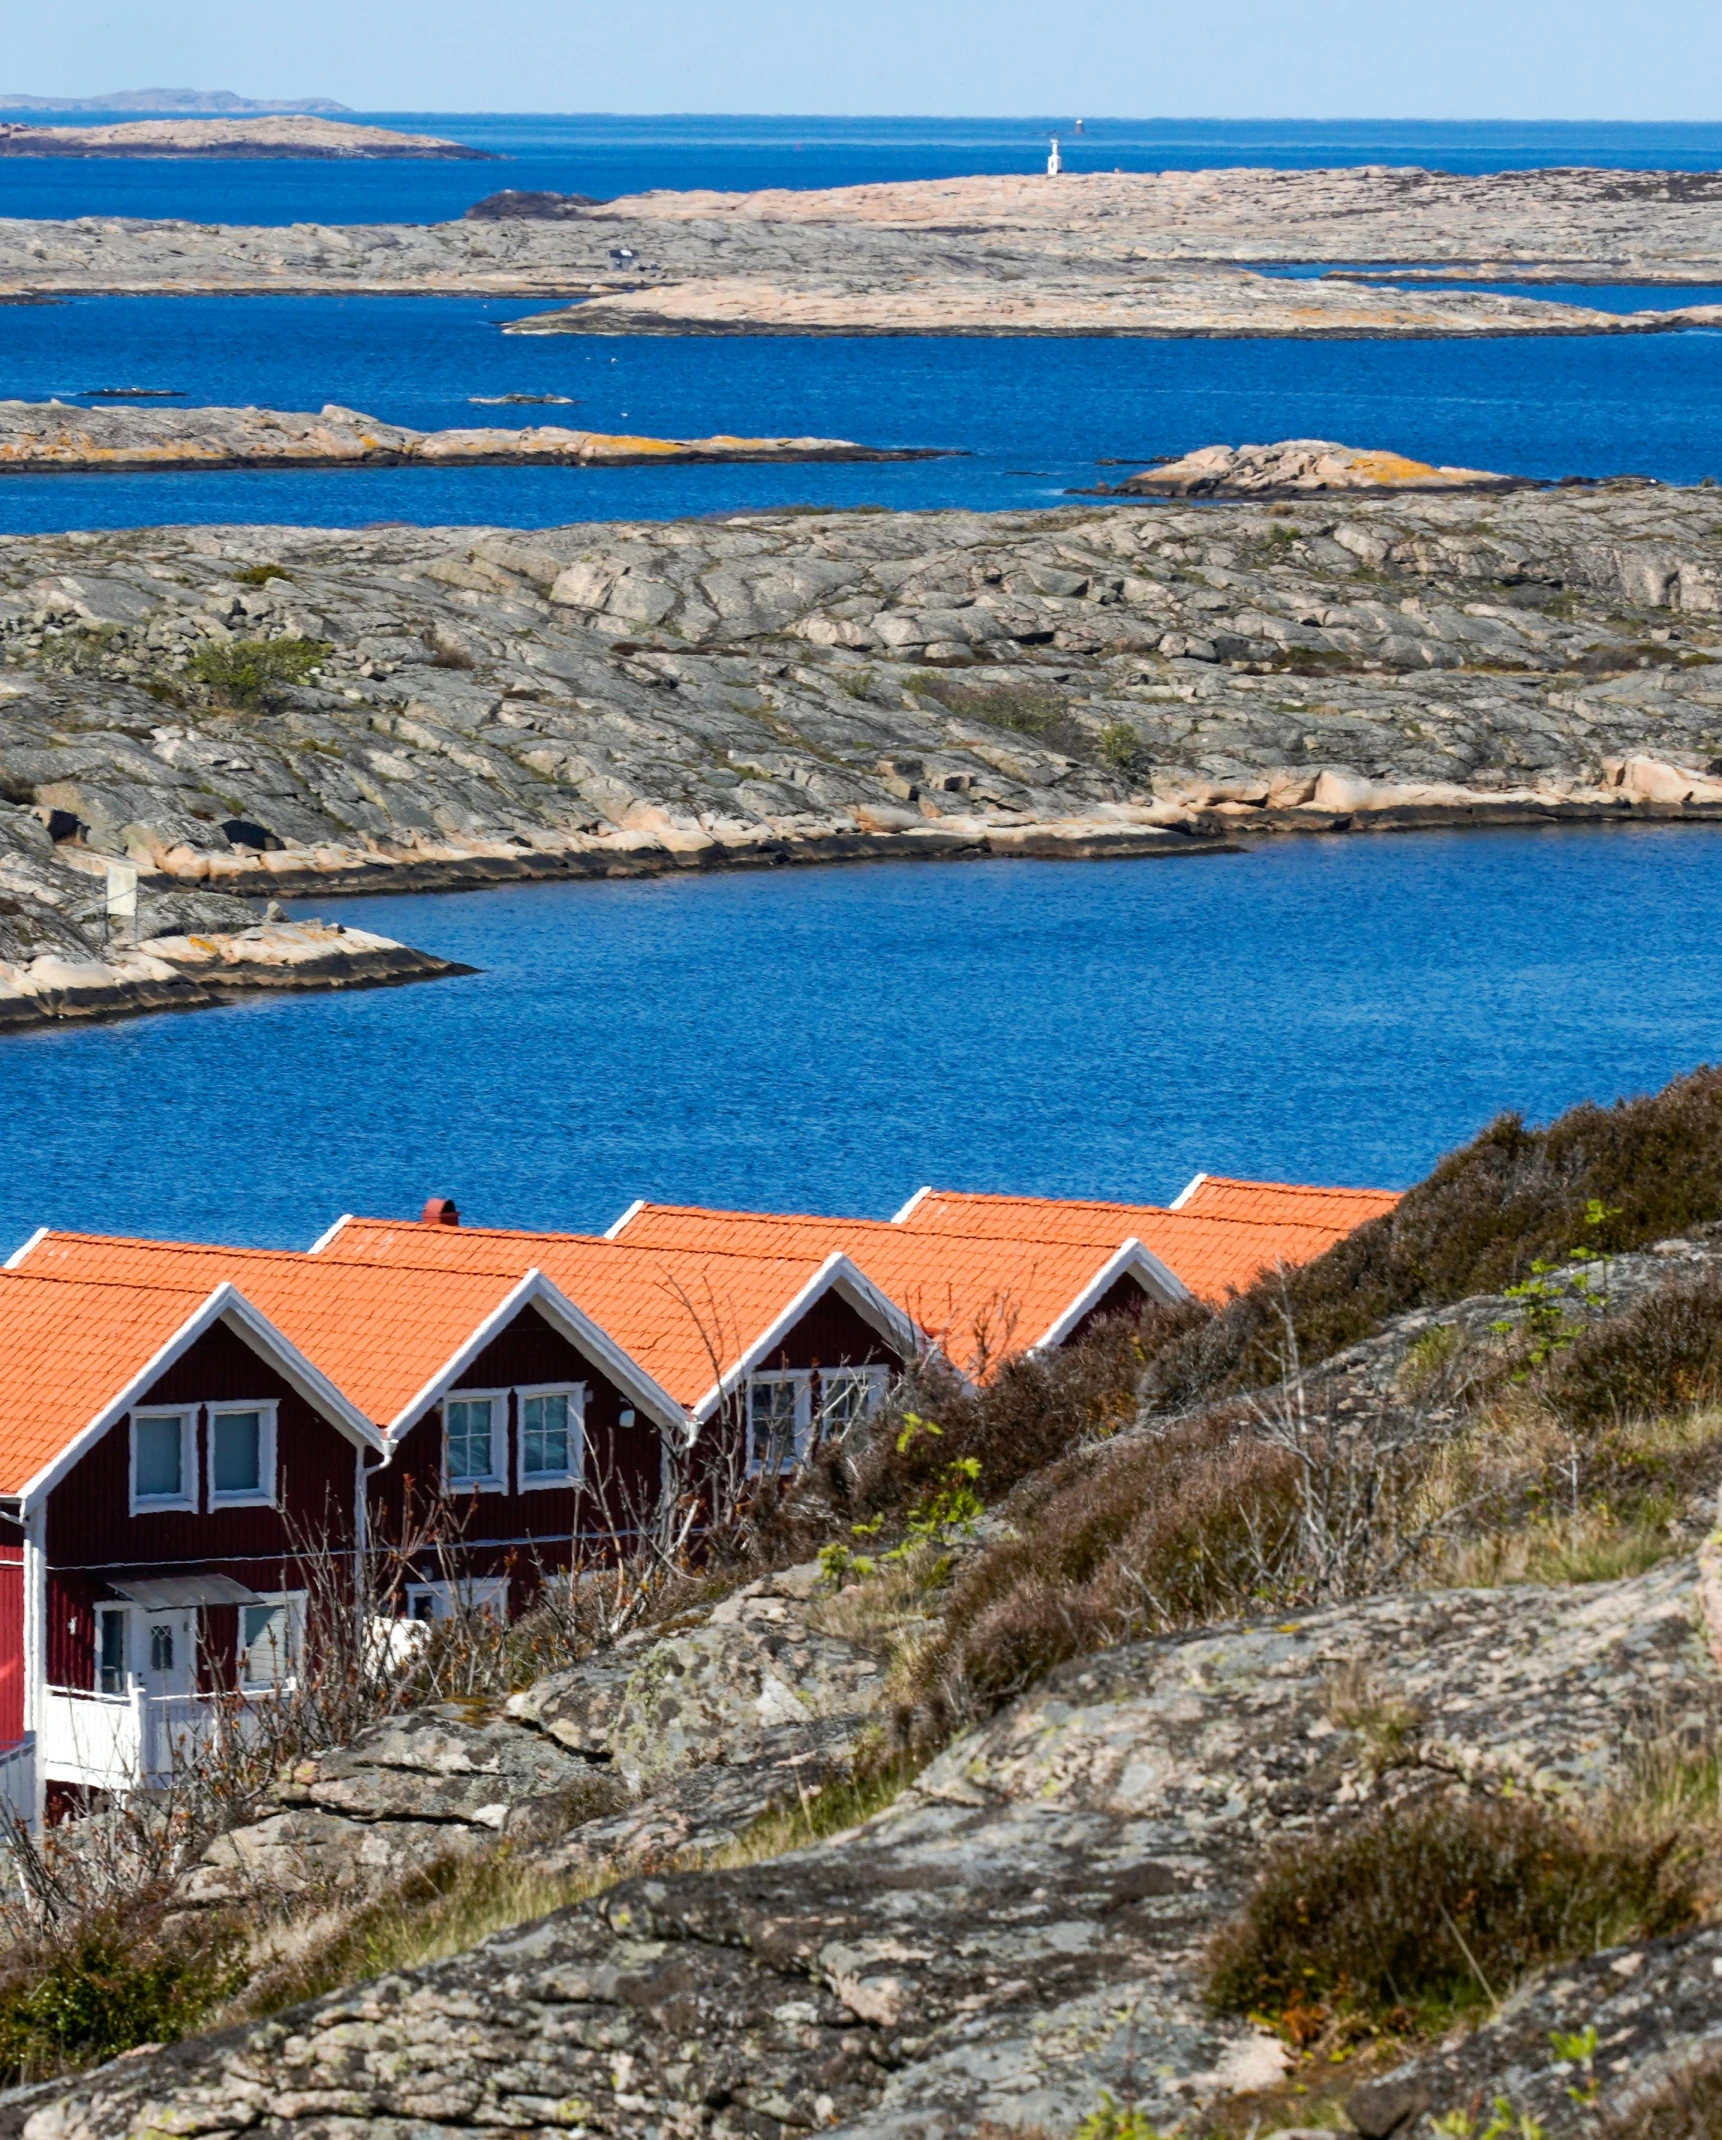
[
  {"x": 106, "y": 1990},
  {"x": 1510, "y": 1198},
  {"x": 1412, "y": 1915},
  {"x": 260, "y": 575},
  {"x": 1028, "y": 709},
  {"x": 245, "y": 674},
  {"x": 1120, "y": 745}
]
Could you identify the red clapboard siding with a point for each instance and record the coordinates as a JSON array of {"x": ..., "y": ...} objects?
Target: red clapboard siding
[
  {"x": 90, "y": 1533},
  {"x": 11, "y": 1644},
  {"x": 523, "y": 1532}
]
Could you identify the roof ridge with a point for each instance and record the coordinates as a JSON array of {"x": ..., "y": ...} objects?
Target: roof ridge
[
  {"x": 118, "y": 1285},
  {"x": 298, "y": 1258},
  {"x": 1293, "y": 1188},
  {"x": 578, "y": 1240}
]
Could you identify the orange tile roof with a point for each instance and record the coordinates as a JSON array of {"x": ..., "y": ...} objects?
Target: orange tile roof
[
  {"x": 1217, "y": 1197},
  {"x": 687, "y": 1317},
  {"x": 379, "y": 1333},
  {"x": 1212, "y": 1256},
  {"x": 978, "y": 1298},
  {"x": 66, "y": 1352}
]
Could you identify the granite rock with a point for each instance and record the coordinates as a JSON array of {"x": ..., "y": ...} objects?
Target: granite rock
[{"x": 1020, "y": 1930}]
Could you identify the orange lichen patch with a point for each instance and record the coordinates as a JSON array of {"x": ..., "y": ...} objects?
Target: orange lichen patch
[
  {"x": 1215, "y": 1196},
  {"x": 380, "y": 1333},
  {"x": 66, "y": 1352},
  {"x": 979, "y": 1299},
  {"x": 1212, "y": 1256},
  {"x": 686, "y": 1318}
]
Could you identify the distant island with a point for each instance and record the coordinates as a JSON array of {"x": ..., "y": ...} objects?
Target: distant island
[
  {"x": 173, "y": 100},
  {"x": 300, "y": 135}
]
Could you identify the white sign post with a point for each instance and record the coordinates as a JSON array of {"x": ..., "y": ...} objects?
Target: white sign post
[{"x": 122, "y": 900}]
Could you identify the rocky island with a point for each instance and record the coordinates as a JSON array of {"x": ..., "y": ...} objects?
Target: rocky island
[
  {"x": 38, "y": 438},
  {"x": 1141, "y": 253},
  {"x": 269, "y": 712},
  {"x": 284, "y": 134}
]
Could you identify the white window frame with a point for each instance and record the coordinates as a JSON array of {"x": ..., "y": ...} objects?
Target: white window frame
[
  {"x": 802, "y": 1379},
  {"x": 484, "y": 1593},
  {"x": 123, "y": 1614},
  {"x": 186, "y": 1498},
  {"x": 267, "y": 1492},
  {"x": 875, "y": 1377},
  {"x": 540, "y": 1481},
  {"x": 495, "y": 1480},
  {"x": 294, "y": 1600}
]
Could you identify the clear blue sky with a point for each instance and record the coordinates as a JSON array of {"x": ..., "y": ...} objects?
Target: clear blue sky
[{"x": 1589, "y": 59}]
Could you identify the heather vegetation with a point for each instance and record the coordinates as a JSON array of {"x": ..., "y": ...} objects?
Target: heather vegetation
[
  {"x": 1420, "y": 1914},
  {"x": 1488, "y": 1213},
  {"x": 1551, "y": 1412}
]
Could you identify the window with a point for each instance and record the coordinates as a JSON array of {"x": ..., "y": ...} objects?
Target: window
[
  {"x": 469, "y": 1430},
  {"x": 242, "y": 1456},
  {"x": 269, "y": 1636},
  {"x": 477, "y": 1593},
  {"x": 162, "y": 1461},
  {"x": 550, "y": 1424},
  {"x": 776, "y": 1420},
  {"x": 161, "y": 1648},
  {"x": 111, "y": 1649},
  {"x": 847, "y": 1396}
]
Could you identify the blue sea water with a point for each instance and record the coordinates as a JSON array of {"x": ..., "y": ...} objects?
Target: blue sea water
[
  {"x": 606, "y": 155},
  {"x": 1031, "y": 419},
  {"x": 1335, "y": 1010},
  {"x": 1327, "y": 1009}
]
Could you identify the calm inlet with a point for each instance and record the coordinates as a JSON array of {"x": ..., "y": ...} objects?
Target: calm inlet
[{"x": 828, "y": 1039}]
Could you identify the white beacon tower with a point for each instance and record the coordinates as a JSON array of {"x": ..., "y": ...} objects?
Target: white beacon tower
[{"x": 1055, "y": 162}]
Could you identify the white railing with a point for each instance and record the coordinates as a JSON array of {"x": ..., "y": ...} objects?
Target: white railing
[
  {"x": 91, "y": 1739},
  {"x": 18, "y": 1779},
  {"x": 117, "y": 1742}
]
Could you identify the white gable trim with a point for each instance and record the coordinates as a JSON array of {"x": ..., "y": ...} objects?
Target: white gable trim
[
  {"x": 573, "y": 1323},
  {"x": 1184, "y": 1194},
  {"x": 16, "y": 1260},
  {"x": 901, "y": 1218},
  {"x": 225, "y": 1304},
  {"x": 835, "y": 1275},
  {"x": 327, "y": 1237},
  {"x": 613, "y": 1231},
  {"x": 1132, "y": 1260}
]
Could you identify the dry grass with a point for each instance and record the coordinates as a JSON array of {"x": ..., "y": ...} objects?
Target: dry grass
[
  {"x": 1688, "y": 2106},
  {"x": 442, "y": 1910},
  {"x": 825, "y": 1810},
  {"x": 1519, "y": 1497},
  {"x": 1357, "y": 1701}
]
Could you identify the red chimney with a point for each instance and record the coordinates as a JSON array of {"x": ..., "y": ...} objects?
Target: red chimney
[{"x": 439, "y": 1211}]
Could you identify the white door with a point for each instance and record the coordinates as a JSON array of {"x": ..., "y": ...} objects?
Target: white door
[
  {"x": 167, "y": 1672},
  {"x": 167, "y": 1660}
]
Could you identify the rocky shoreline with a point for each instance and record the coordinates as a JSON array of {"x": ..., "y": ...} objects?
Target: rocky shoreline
[
  {"x": 257, "y": 713},
  {"x": 47, "y": 438},
  {"x": 194, "y": 971},
  {"x": 1139, "y": 253}
]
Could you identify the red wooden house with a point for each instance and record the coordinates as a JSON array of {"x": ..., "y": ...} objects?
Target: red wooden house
[{"x": 164, "y": 1452}]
